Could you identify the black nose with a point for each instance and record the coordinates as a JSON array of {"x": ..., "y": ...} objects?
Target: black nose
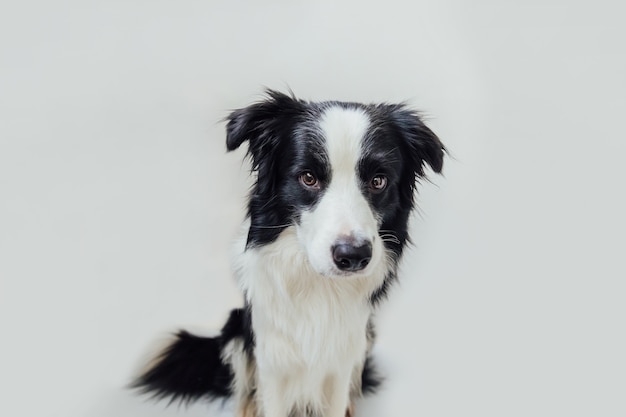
[{"x": 348, "y": 257}]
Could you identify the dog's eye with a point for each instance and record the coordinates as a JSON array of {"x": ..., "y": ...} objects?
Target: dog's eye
[
  {"x": 378, "y": 183},
  {"x": 309, "y": 181}
]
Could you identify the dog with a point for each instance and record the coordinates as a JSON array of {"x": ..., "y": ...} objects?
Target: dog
[{"x": 326, "y": 226}]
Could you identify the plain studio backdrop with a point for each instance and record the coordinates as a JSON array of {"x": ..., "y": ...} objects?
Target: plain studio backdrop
[{"x": 119, "y": 204}]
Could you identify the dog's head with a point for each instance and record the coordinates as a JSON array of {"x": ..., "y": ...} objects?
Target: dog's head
[{"x": 342, "y": 174}]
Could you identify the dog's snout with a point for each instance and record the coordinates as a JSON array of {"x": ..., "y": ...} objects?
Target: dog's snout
[{"x": 348, "y": 257}]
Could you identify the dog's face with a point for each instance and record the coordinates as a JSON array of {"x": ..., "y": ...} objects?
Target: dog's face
[{"x": 342, "y": 174}]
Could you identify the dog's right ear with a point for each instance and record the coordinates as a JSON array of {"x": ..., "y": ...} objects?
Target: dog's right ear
[
  {"x": 260, "y": 124},
  {"x": 242, "y": 125}
]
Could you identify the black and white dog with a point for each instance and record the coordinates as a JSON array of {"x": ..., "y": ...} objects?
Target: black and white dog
[{"x": 326, "y": 227}]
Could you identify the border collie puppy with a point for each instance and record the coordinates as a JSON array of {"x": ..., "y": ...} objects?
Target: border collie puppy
[{"x": 326, "y": 227}]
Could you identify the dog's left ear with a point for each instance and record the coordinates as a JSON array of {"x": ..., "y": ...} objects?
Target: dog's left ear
[{"x": 423, "y": 145}]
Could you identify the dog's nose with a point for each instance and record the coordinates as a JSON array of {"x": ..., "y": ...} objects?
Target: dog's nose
[{"x": 348, "y": 257}]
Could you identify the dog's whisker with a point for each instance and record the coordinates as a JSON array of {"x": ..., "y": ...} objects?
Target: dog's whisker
[
  {"x": 389, "y": 236},
  {"x": 280, "y": 226},
  {"x": 396, "y": 241},
  {"x": 268, "y": 202}
]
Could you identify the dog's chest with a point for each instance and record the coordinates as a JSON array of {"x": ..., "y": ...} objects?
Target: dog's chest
[
  {"x": 300, "y": 319},
  {"x": 319, "y": 333}
]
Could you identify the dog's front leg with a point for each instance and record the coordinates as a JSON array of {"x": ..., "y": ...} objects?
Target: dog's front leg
[
  {"x": 339, "y": 395},
  {"x": 273, "y": 402},
  {"x": 247, "y": 408}
]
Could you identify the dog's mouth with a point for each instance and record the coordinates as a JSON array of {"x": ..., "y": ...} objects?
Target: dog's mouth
[{"x": 335, "y": 273}]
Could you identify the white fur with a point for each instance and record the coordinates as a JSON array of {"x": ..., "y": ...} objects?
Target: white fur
[{"x": 310, "y": 318}]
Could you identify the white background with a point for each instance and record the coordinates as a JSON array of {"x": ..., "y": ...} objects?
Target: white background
[{"x": 118, "y": 202}]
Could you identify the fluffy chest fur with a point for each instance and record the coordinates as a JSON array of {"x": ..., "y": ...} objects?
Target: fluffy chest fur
[{"x": 302, "y": 319}]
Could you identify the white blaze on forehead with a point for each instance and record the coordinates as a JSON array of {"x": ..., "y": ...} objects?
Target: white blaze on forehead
[
  {"x": 344, "y": 130},
  {"x": 342, "y": 211},
  {"x": 343, "y": 204}
]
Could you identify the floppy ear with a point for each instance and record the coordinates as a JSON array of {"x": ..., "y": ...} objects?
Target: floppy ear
[
  {"x": 424, "y": 146},
  {"x": 260, "y": 124}
]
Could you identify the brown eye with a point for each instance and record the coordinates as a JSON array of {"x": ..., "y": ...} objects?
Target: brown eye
[
  {"x": 378, "y": 183},
  {"x": 308, "y": 180}
]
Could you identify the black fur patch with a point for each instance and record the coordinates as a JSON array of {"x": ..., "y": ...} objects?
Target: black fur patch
[
  {"x": 370, "y": 379},
  {"x": 191, "y": 367}
]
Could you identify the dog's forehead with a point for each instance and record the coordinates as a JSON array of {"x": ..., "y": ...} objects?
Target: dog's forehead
[
  {"x": 343, "y": 130},
  {"x": 339, "y": 123}
]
